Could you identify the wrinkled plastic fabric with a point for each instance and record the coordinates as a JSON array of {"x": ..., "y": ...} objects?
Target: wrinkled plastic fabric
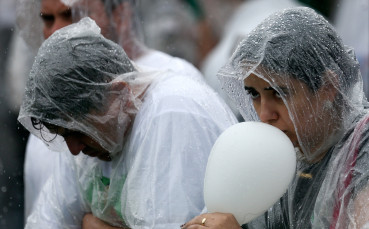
[
  {"x": 298, "y": 43},
  {"x": 156, "y": 179},
  {"x": 69, "y": 52},
  {"x": 29, "y": 23}
]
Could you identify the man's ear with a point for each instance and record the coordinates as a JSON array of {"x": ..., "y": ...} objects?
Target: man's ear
[{"x": 118, "y": 85}]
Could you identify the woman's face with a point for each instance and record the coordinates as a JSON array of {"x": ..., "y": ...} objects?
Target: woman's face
[{"x": 306, "y": 107}]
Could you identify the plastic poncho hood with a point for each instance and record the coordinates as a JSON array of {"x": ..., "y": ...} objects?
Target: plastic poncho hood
[
  {"x": 298, "y": 43},
  {"x": 72, "y": 85}
]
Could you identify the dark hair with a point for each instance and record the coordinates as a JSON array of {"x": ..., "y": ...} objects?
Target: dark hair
[
  {"x": 310, "y": 57},
  {"x": 301, "y": 44},
  {"x": 71, "y": 76}
]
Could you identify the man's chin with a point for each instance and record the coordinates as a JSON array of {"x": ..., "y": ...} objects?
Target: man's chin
[{"x": 105, "y": 157}]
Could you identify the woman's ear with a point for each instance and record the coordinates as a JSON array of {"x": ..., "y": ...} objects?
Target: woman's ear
[{"x": 330, "y": 85}]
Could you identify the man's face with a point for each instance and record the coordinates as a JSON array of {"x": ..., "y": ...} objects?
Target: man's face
[
  {"x": 55, "y": 15},
  {"x": 79, "y": 142},
  {"x": 100, "y": 133}
]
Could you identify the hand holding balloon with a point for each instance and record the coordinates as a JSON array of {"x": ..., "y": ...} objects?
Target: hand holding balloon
[{"x": 249, "y": 169}]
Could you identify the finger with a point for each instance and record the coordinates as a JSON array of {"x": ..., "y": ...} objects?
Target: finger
[
  {"x": 196, "y": 226},
  {"x": 196, "y": 221}
]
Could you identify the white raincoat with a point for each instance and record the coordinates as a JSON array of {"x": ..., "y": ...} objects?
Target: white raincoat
[
  {"x": 155, "y": 178},
  {"x": 40, "y": 160}
]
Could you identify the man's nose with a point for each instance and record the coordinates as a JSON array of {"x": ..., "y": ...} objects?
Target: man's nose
[
  {"x": 57, "y": 24},
  {"x": 75, "y": 146},
  {"x": 268, "y": 112}
]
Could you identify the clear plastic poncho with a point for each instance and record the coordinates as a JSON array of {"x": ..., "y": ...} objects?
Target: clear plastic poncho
[
  {"x": 63, "y": 96},
  {"x": 155, "y": 177},
  {"x": 298, "y": 44},
  {"x": 29, "y": 23}
]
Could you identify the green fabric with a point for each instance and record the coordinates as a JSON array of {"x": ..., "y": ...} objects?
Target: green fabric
[
  {"x": 196, "y": 8},
  {"x": 105, "y": 180},
  {"x": 104, "y": 199}
]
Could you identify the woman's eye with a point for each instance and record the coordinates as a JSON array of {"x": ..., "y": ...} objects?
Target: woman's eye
[
  {"x": 252, "y": 92},
  {"x": 278, "y": 95}
]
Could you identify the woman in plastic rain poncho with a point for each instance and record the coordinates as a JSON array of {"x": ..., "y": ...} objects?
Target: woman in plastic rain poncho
[
  {"x": 294, "y": 73},
  {"x": 145, "y": 136}
]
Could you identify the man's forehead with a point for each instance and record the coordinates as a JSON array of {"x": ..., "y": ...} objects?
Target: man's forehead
[
  {"x": 69, "y": 2},
  {"x": 85, "y": 5},
  {"x": 64, "y": 2},
  {"x": 53, "y": 6}
]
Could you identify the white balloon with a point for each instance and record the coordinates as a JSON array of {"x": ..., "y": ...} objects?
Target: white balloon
[{"x": 249, "y": 168}]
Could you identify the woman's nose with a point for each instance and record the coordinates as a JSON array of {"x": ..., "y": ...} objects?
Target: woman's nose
[
  {"x": 268, "y": 113},
  {"x": 75, "y": 146}
]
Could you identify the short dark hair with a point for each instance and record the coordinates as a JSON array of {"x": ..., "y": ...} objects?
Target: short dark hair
[
  {"x": 301, "y": 44},
  {"x": 72, "y": 76}
]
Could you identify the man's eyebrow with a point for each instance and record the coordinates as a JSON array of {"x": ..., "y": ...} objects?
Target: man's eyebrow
[
  {"x": 46, "y": 16},
  {"x": 42, "y": 14},
  {"x": 248, "y": 88},
  {"x": 50, "y": 15},
  {"x": 67, "y": 11}
]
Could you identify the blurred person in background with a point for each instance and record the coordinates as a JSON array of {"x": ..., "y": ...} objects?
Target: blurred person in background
[
  {"x": 186, "y": 28},
  {"x": 179, "y": 28},
  {"x": 171, "y": 26},
  {"x": 351, "y": 19},
  {"x": 12, "y": 135}
]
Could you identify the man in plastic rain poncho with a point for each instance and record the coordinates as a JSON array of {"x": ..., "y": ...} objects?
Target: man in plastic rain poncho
[
  {"x": 144, "y": 136},
  {"x": 119, "y": 20},
  {"x": 293, "y": 72}
]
